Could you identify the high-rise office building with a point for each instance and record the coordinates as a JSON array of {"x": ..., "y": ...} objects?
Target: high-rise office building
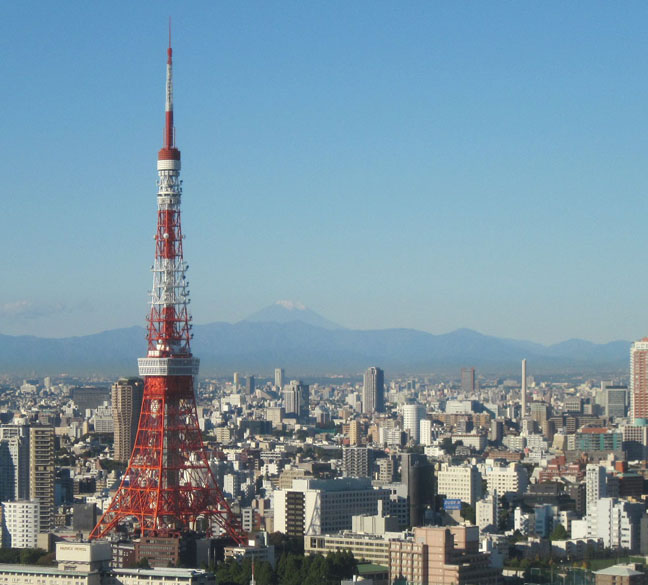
[
  {"x": 126, "y": 405},
  {"x": 89, "y": 397},
  {"x": 11, "y": 457},
  {"x": 461, "y": 482},
  {"x": 616, "y": 401},
  {"x": 14, "y": 462},
  {"x": 373, "y": 391},
  {"x": 41, "y": 473},
  {"x": 297, "y": 399},
  {"x": 639, "y": 378},
  {"x": 236, "y": 380},
  {"x": 251, "y": 385},
  {"x": 412, "y": 415},
  {"x": 417, "y": 474},
  {"x": 468, "y": 380},
  {"x": 279, "y": 377}
]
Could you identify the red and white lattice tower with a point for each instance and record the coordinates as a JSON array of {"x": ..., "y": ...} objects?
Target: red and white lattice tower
[{"x": 168, "y": 485}]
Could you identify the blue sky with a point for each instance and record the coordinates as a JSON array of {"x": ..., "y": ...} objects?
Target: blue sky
[{"x": 390, "y": 164}]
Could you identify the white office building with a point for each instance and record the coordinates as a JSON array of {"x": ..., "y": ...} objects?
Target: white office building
[
  {"x": 412, "y": 416},
  {"x": 428, "y": 432},
  {"x": 460, "y": 482},
  {"x": 506, "y": 479},
  {"x": 319, "y": 506},
  {"x": 487, "y": 512}
]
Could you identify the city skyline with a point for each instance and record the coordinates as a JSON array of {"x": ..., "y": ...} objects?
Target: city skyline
[{"x": 439, "y": 167}]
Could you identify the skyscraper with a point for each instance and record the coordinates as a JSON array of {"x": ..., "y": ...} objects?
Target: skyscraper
[
  {"x": 468, "y": 380},
  {"x": 297, "y": 399},
  {"x": 279, "y": 378},
  {"x": 373, "y": 391},
  {"x": 251, "y": 385},
  {"x": 616, "y": 400},
  {"x": 41, "y": 473},
  {"x": 639, "y": 378},
  {"x": 523, "y": 389},
  {"x": 126, "y": 406},
  {"x": 15, "y": 461}
]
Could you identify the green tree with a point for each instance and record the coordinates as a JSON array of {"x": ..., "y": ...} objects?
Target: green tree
[
  {"x": 559, "y": 533},
  {"x": 30, "y": 556},
  {"x": 468, "y": 512}
]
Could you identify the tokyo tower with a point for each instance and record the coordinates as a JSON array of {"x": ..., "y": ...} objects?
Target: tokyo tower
[{"x": 168, "y": 485}]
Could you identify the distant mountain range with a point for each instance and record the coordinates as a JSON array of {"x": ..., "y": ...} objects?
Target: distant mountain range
[{"x": 296, "y": 338}]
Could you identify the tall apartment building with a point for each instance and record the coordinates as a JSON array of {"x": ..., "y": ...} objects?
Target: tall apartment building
[
  {"x": 279, "y": 374},
  {"x": 20, "y": 524},
  {"x": 412, "y": 416},
  {"x": 460, "y": 482},
  {"x": 639, "y": 378},
  {"x": 468, "y": 380},
  {"x": 355, "y": 433},
  {"x": 356, "y": 462},
  {"x": 373, "y": 391},
  {"x": 126, "y": 405},
  {"x": 41, "y": 473},
  {"x": 595, "y": 489}
]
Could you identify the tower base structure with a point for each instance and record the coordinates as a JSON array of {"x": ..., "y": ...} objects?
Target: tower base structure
[{"x": 168, "y": 487}]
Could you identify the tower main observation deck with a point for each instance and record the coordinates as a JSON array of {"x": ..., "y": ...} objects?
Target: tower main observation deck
[{"x": 168, "y": 487}]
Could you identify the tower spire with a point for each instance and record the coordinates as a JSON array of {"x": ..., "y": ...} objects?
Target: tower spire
[{"x": 169, "y": 148}]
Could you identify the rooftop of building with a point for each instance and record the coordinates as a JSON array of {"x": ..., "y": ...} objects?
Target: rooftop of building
[
  {"x": 35, "y": 570},
  {"x": 619, "y": 571}
]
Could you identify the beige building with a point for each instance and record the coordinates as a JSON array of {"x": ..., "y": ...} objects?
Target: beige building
[
  {"x": 126, "y": 405},
  {"x": 461, "y": 482},
  {"x": 442, "y": 556},
  {"x": 620, "y": 575},
  {"x": 365, "y": 547},
  {"x": 355, "y": 433},
  {"x": 434, "y": 556}
]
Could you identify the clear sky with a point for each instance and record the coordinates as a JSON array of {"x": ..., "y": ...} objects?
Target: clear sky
[{"x": 432, "y": 165}]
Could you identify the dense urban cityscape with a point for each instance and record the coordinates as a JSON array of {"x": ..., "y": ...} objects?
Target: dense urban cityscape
[
  {"x": 372, "y": 477},
  {"x": 471, "y": 479}
]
